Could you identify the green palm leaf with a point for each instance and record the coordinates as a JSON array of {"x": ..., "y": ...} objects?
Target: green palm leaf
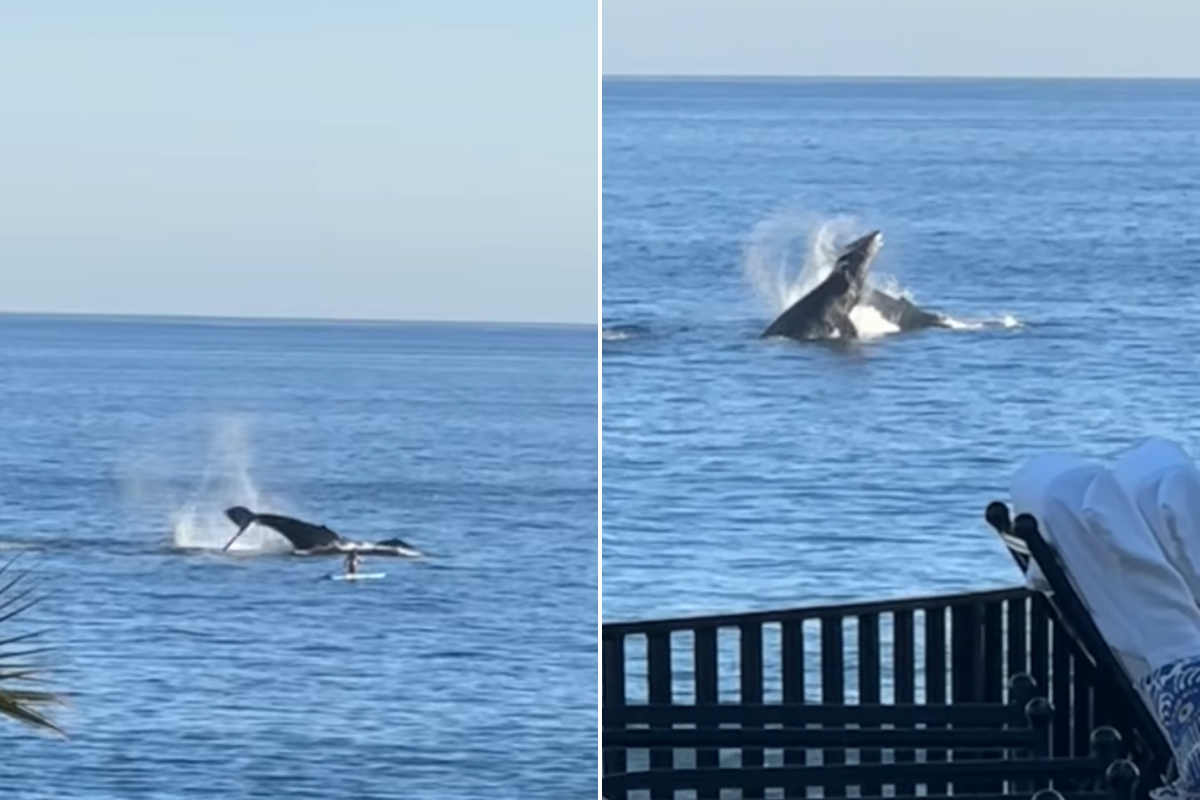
[{"x": 17, "y": 700}]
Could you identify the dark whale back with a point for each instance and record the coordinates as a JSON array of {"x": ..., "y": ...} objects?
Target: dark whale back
[
  {"x": 902, "y": 312},
  {"x": 302, "y": 535},
  {"x": 820, "y": 314}
]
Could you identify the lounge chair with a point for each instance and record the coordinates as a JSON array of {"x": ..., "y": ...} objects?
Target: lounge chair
[{"x": 1088, "y": 541}]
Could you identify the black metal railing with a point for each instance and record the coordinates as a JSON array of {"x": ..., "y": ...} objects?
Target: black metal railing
[{"x": 933, "y": 651}]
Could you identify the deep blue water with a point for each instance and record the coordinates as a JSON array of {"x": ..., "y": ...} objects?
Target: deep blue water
[
  {"x": 197, "y": 675},
  {"x": 743, "y": 474}
]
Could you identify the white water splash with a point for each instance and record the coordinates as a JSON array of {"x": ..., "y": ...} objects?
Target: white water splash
[
  {"x": 1007, "y": 321},
  {"x": 200, "y": 522},
  {"x": 789, "y": 255},
  {"x": 870, "y": 324}
]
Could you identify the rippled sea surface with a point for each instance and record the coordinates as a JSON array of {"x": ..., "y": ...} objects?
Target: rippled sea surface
[
  {"x": 1061, "y": 217},
  {"x": 198, "y": 675}
]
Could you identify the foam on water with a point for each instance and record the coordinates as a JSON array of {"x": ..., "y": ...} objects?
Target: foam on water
[
  {"x": 869, "y": 323},
  {"x": 1007, "y": 321}
]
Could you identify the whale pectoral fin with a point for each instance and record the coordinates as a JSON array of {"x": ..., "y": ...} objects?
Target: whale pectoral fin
[
  {"x": 241, "y": 530},
  {"x": 240, "y": 516},
  {"x": 845, "y": 328}
]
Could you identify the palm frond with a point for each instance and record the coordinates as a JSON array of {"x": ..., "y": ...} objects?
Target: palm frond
[
  {"x": 18, "y": 702},
  {"x": 24, "y": 637}
]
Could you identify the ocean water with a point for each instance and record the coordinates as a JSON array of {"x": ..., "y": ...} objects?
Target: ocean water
[
  {"x": 1058, "y": 221},
  {"x": 197, "y": 675}
]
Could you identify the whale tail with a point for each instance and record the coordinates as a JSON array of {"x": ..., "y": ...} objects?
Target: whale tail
[{"x": 243, "y": 518}]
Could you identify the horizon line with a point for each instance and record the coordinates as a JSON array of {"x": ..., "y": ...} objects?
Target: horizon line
[
  {"x": 109, "y": 316},
  {"x": 767, "y": 76}
]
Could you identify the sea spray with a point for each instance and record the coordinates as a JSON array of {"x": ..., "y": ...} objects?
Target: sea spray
[
  {"x": 200, "y": 521},
  {"x": 790, "y": 254}
]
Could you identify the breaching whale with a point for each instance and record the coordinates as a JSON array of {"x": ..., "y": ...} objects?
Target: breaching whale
[
  {"x": 824, "y": 313},
  {"x": 313, "y": 540}
]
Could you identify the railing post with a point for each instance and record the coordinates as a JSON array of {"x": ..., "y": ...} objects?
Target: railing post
[
  {"x": 904, "y": 669},
  {"x": 935, "y": 678},
  {"x": 869, "y": 689},
  {"x": 967, "y": 677},
  {"x": 751, "y": 669},
  {"x": 613, "y": 695},
  {"x": 794, "y": 680},
  {"x": 833, "y": 685},
  {"x": 658, "y": 674},
  {"x": 707, "y": 682}
]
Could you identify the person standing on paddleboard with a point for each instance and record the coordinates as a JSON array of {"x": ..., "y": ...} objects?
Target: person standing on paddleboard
[{"x": 352, "y": 562}]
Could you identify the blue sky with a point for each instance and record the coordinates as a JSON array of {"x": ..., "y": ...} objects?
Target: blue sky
[
  {"x": 1017, "y": 38},
  {"x": 359, "y": 159}
]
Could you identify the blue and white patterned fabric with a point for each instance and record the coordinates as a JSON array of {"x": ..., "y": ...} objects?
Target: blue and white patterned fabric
[{"x": 1174, "y": 694}]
